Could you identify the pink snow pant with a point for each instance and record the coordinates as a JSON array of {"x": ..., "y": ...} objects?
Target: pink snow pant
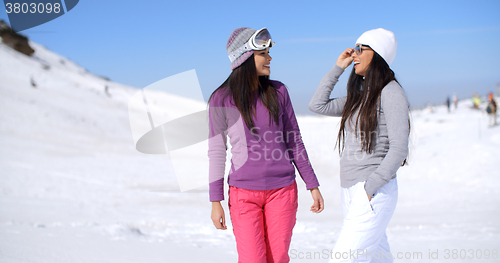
[
  {"x": 363, "y": 238},
  {"x": 263, "y": 221}
]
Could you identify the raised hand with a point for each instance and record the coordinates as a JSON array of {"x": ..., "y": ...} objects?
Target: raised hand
[{"x": 345, "y": 58}]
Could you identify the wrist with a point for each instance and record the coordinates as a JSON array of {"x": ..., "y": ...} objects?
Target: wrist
[{"x": 340, "y": 66}]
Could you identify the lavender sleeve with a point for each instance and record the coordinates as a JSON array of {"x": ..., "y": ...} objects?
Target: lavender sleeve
[
  {"x": 298, "y": 152},
  {"x": 217, "y": 148}
]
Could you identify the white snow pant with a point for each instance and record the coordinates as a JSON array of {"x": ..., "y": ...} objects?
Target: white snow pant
[{"x": 363, "y": 238}]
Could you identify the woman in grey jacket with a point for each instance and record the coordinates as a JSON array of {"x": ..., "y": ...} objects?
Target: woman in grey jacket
[{"x": 372, "y": 140}]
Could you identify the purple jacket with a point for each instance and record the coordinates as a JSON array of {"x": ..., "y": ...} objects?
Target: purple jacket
[{"x": 261, "y": 157}]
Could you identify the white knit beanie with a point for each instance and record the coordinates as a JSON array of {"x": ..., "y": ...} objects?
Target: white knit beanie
[{"x": 381, "y": 41}]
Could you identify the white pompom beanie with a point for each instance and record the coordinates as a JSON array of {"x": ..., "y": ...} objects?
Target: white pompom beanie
[{"x": 381, "y": 41}]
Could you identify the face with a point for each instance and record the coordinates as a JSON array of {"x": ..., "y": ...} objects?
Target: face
[
  {"x": 362, "y": 61},
  {"x": 262, "y": 62}
]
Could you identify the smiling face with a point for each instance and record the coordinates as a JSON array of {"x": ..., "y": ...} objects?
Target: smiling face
[
  {"x": 262, "y": 62},
  {"x": 362, "y": 61}
]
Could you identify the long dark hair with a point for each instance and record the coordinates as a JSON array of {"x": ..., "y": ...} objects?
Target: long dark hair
[
  {"x": 241, "y": 85},
  {"x": 363, "y": 95}
]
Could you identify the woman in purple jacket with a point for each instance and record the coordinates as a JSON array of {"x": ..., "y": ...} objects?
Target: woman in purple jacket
[{"x": 257, "y": 115}]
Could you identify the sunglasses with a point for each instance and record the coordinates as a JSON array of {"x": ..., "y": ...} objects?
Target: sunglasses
[{"x": 358, "y": 49}]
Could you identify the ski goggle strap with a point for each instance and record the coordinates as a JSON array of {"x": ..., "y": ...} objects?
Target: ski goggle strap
[{"x": 260, "y": 40}]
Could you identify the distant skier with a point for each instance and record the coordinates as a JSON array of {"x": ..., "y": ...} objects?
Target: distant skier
[
  {"x": 430, "y": 108},
  {"x": 106, "y": 90},
  {"x": 455, "y": 100},
  {"x": 448, "y": 103},
  {"x": 33, "y": 83},
  {"x": 491, "y": 109},
  {"x": 476, "y": 101}
]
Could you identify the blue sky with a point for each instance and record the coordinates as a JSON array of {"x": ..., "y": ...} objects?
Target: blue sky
[{"x": 443, "y": 46}]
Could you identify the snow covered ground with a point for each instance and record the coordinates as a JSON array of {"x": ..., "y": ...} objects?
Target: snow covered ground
[{"x": 74, "y": 189}]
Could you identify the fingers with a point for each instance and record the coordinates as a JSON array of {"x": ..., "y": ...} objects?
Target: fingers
[
  {"x": 224, "y": 223},
  {"x": 346, "y": 53},
  {"x": 318, "y": 206},
  {"x": 349, "y": 51},
  {"x": 218, "y": 217},
  {"x": 315, "y": 206},
  {"x": 345, "y": 59},
  {"x": 348, "y": 61},
  {"x": 219, "y": 223},
  {"x": 321, "y": 205}
]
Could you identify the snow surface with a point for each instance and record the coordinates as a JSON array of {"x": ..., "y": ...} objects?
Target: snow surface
[{"x": 74, "y": 189}]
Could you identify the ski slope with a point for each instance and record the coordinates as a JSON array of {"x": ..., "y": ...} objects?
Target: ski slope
[{"x": 74, "y": 189}]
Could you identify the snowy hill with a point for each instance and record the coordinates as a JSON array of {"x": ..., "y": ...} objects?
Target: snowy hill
[{"x": 74, "y": 189}]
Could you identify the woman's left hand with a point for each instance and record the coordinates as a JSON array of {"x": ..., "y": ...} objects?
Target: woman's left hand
[
  {"x": 318, "y": 205},
  {"x": 369, "y": 197}
]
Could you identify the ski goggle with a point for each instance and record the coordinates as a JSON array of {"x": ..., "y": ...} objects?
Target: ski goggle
[
  {"x": 358, "y": 48},
  {"x": 260, "y": 40}
]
